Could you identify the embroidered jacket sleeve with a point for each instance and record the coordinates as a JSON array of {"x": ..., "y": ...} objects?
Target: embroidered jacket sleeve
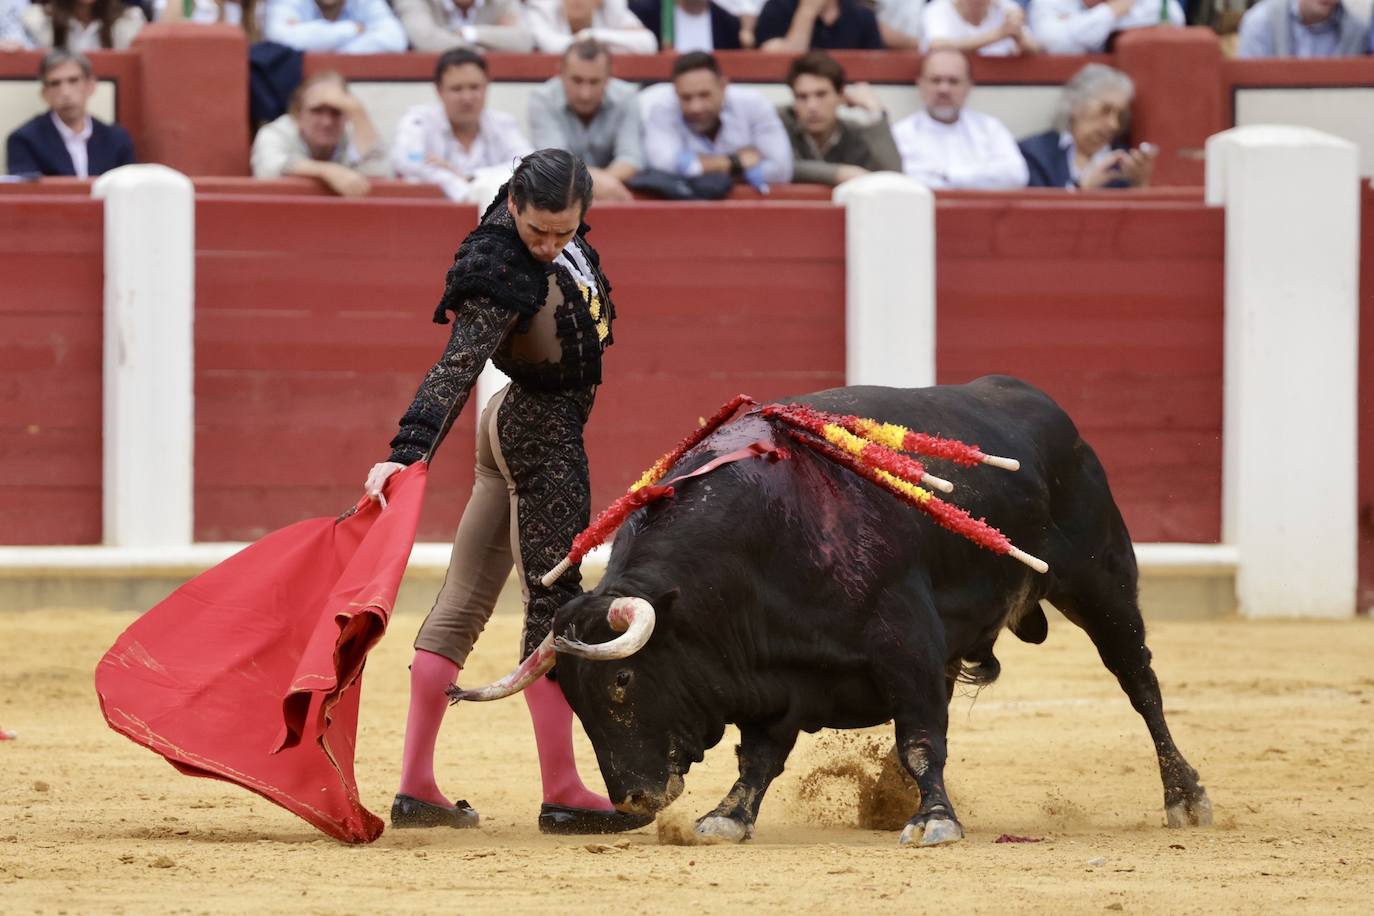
[{"x": 479, "y": 326}]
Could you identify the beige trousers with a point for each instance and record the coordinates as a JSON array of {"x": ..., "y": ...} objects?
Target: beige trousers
[{"x": 485, "y": 549}]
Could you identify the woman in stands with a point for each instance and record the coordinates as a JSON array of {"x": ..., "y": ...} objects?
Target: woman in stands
[
  {"x": 1084, "y": 149},
  {"x": 83, "y": 25}
]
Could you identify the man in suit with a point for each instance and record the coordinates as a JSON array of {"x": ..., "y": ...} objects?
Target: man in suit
[
  {"x": 697, "y": 25},
  {"x": 67, "y": 140}
]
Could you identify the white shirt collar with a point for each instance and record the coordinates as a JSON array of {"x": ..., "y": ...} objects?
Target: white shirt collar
[
  {"x": 68, "y": 135},
  {"x": 75, "y": 144}
]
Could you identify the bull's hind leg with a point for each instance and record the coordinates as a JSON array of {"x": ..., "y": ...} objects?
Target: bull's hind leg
[
  {"x": 1104, "y": 605},
  {"x": 762, "y": 754},
  {"x": 906, "y": 650}
]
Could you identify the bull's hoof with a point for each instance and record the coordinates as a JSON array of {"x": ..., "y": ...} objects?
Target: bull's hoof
[
  {"x": 1191, "y": 812},
  {"x": 937, "y": 832},
  {"x": 717, "y": 829}
]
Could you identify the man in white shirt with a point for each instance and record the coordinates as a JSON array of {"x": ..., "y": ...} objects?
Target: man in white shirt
[
  {"x": 342, "y": 26},
  {"x": 558, "y": 23},
  {"x": 991, "y": 28},
  {"x": 946, "y": 146},
  {"x": 1083, "y": 26},
  {"x": 437, "y": 25},
  {"x": 326, "y": 135},
  {"x": 707, "y": 127},
  {"x": 451, "y": 141}
]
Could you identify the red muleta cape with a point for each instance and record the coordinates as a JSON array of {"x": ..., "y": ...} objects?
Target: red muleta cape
[{"x": 252, "y": 671}]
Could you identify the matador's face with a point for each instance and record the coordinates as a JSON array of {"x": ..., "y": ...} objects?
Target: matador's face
[{"x": 545, "y": 232}]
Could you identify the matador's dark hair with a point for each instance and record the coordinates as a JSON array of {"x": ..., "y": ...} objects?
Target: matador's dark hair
[{"x": 553, "y": 180}]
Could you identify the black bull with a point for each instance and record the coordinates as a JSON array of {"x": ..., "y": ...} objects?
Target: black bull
[{"x": 794, "y": 596}]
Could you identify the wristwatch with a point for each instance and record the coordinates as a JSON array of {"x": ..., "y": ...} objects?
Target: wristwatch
[{"x": 736, "y": 167}]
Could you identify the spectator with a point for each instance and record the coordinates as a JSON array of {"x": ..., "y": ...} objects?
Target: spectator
[
  {"x": 67, "y": 140},
  {"x": 697, "y": 25},
  {"x": 326, "y": 134},
  {"x": 451, "y": 141},
  {"x": 1085, "y": 26},
  {"x": 558, "y": 23},
  {"x": 827, "y": 148},
  {"x": 946, "y": 146},
  {"x": 246, "y": 14},
  {"x": 1083, "y": 149},
  {"x": 705, "y": 127},
  {"x": 490, "y": 25},
  {"x": 991, "y": 28},
  {"x": 13, "y": 36},
  {"x": 796, "y": 26},
  {"x": 747, "y": 12},
  {"x": 594, "y": 117},
  {"x": 899, "y": 22},
  {"x": 83, "y": 25},
  {"x": 1302, "y": 28},
  {"x": 342, "y": 26}
]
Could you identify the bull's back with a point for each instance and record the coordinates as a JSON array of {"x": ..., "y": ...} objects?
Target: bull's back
[{"x": 998, "y": 413}]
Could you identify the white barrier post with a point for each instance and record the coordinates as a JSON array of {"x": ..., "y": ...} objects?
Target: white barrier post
[
  {"x": 889, "y": 281},
  {"x": 1289, "y": 430},
  {"x": 148, "y": 382}
]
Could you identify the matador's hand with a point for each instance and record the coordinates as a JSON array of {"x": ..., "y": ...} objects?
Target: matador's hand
[{"x": 377, "y": 478}]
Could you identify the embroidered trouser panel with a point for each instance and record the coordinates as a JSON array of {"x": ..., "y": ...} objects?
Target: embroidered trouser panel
[{"x": 531, "y": 495}]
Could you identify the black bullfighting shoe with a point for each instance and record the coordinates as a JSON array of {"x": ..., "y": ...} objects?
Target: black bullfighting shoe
[
  {"x": 411, "y": 812},
  {"x": 561, "y": 819}
]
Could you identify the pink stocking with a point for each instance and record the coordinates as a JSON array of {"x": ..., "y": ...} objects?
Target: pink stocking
[
  {"x": 552, "y": 717},
  {"x": 430, "y": 674}
]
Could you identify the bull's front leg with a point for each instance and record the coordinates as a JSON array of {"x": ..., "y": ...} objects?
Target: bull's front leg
[
  {"x": 909, "y": 665},
  {"x": 922, "y": 754},
  {"x": 762, "y": 754}
]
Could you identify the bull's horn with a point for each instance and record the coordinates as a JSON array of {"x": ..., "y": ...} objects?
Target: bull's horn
[
  {"x": 632, "y": 617},
  {"x": 530, "y": 670}
]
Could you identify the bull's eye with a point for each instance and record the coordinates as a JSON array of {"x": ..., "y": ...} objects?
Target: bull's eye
[{"x": 622, "y": 680}]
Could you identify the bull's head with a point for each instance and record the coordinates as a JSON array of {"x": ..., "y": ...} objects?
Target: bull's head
[{"x": 633, "y": 699}]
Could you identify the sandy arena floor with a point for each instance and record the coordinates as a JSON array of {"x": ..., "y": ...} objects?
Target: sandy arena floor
[{"x": 1278, "y": 719}]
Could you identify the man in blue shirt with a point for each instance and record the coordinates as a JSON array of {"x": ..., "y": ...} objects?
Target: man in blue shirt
[
  {"x": 701, "y": 125},
  {"x": 342, "y": 26},
  {"x": 1302, "y": 28}
]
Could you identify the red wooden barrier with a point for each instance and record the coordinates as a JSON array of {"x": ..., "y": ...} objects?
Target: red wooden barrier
[
  {"x": 1115, "y": 309},
  {"x": 51, "y": 262},
  {"x": 713, "y": 300},
  {"x": 312, "y": 331}
]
